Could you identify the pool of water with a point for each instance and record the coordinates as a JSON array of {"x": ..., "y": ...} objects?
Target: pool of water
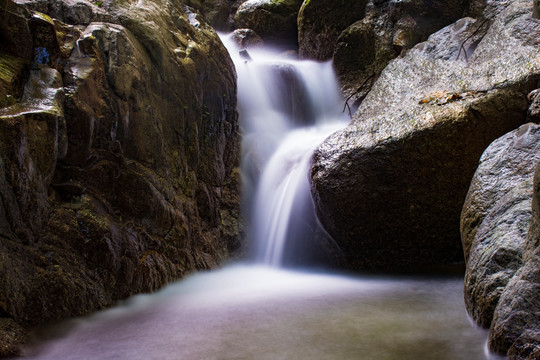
[{"x": 248, "y": 312}]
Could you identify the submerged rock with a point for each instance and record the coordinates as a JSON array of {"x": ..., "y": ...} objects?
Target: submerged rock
[
  {"x": 118, "y": 158},
  {"x": 390, "y": 187}
]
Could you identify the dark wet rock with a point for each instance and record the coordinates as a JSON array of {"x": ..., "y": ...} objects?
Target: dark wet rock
[
  {"x": 274, "y": 21},
  {"x": 16, "y": 37},
  {"x": 118, "y": 149},
  {"x": 487, "y": 9},
  {"x": 533, "y": 114},
  {"x": 73, "y": 12},
  {"x": 14, "y": 336},
  {"x": 321, "y": 21},
  {"x": 244, "y": 54},
  {"x": 388, "y": 29},
  {"x": 218, "y": 13},
  {"x": 390, "y": 187},
  {"x": 247, "y": 38},
  {"x": 495, "y": 218}
]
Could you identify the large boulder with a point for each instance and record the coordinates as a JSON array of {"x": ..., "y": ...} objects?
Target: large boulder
[
  {"x": 119, "y": 150},
  {"x": 390, "y": 187},
  {"x": 495, "y": 218},
  {"x": 388, "y": 29},
  {"x": 273, "y": 20},
  {"x": 321, "y": 21}
]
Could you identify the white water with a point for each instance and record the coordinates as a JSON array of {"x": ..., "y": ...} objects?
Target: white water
[
  {"x": 255, "y": 312},
  {"x": 287, "y": 108}
]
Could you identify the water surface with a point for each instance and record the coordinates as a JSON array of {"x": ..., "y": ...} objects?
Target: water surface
[{"x": 252, "y": 312}]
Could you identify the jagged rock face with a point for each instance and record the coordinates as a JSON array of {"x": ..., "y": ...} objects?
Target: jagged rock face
[
  {"x": 321, "y": 21},
  {"x": 363, "y": 49},
  {"x": 119, "y": 147},
  {"x": 390, "y": 187},
  {"x": 495, "y": 218},
  {"x": 273, "y": 20}
]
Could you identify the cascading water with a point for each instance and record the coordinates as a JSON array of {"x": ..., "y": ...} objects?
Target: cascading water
[
  {"x": 286, "y": 108},
  {"x": 257, "y": 312}
]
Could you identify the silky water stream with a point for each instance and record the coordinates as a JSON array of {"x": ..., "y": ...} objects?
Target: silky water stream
[{"x": 259, "y": 310}]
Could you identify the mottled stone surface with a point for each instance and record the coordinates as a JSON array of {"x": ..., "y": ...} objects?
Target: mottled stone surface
[
  {"x": 390, "y": 187},
  {"x": 495, "y": 218},
  {"x": 388, "y": 29},
  {"x": 515, "y": 328}
]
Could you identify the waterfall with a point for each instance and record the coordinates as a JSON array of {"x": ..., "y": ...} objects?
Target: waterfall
[{"x": 287, "y": 108}]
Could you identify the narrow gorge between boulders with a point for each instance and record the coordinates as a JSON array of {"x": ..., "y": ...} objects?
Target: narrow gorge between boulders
[{"x": 262, "y": 309}]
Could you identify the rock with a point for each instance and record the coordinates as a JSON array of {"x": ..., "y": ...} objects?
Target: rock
[
  {"x": 495, "y": 218},
  {"x": 533, "y": 114},
  {"x": 515, "y": 328},
  {"x": 32, "y": 138},
  {"x": 117, "y": 159},
  {"x": 487, "y": 9},
  {"x": 247, "y": 38},
  {"x": 46, "y": 45},
  {"x": 13, "y": 337},
  {"x": 17, "y": 38},
  {"x": 321, "y": 21},
  {"x": 389, "y": 188},
  {"x": 73, "y": 12},
  {"x": 216, "y": 12},
  {"x": 273, "y": 20},
  {"x": 389, "y": 28},
  {"x": 536, "y": 9}
]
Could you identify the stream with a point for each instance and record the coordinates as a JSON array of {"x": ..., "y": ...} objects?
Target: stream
[{"x": 262, "y": 309}]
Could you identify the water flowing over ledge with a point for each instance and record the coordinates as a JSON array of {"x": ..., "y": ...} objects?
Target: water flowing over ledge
[{"x": 287, "y": 108}]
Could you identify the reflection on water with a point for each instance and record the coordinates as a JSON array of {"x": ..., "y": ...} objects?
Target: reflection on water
[{"x": 246, "y": 312}]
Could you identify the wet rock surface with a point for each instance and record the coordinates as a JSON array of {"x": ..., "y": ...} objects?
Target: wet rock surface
[
  {"x": 274, "y": 21},
  {"x": 119, "y": 148},
  {"x": 321, "y": 21}
]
